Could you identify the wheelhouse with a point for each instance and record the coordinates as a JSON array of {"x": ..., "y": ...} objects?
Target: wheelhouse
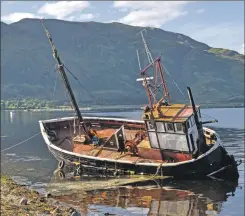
[{"x": 172, "y": 127}]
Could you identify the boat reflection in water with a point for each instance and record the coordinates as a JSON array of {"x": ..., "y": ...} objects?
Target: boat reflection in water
[{"x": 155, "y": 197}]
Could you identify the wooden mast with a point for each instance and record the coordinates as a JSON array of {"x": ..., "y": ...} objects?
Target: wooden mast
[{"x": 64, "y": 78}]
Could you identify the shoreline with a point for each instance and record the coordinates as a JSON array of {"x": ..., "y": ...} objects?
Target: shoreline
[
  {"x": 116, "y": 108},
  {"x": 16, "y": 199},
  {"x": 91, "y": 109}
]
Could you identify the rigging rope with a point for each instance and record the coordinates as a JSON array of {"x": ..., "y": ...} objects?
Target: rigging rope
[
  {"x": 98, "y": 103},
  {"x": 182, "y": 91},
  {"x": 165, "y": 69},
  {"x": 203, "y": 114},
  {"x": 21, "y": 142},
  {"x": 150, "y": 59}
]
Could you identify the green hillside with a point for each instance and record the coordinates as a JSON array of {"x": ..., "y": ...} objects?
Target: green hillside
[{"x": 103, "y": 57}]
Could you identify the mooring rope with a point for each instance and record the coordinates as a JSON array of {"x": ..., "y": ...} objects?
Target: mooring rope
[
  {"x": 158, "y": 168},
  {"x": 20, "y": 142}
]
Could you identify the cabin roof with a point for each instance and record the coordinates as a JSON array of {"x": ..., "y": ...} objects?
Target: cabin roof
[{"x": 172, "y": 113}]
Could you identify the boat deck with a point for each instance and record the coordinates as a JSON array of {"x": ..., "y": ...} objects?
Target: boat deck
[
  {"x": 103, "y": 152},
  {"x": 145, "y": 152}
]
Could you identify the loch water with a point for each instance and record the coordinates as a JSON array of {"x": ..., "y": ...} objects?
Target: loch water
[{"x": 33, "y": 165}]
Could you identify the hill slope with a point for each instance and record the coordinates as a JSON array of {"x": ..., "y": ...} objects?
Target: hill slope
[{"x": 103, "y": 57}]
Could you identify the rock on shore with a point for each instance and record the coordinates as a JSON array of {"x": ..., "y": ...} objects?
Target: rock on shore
[{"x": 18, "y": 200}]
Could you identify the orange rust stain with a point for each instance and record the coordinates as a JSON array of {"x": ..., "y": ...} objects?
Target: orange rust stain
[
  {"x": 105, "y": 132},
  {"x": 104, "y": 195},
  {"x": 177, "y": 156},
  {"x": 186, "y": 112},
  {"x": 182, "y": 194},
  {"x": 108, "y": 154},
  {"x": 154, "y": 155},
  {"x": 148, "y": 153},
  {"x": 82, "y": 149}
]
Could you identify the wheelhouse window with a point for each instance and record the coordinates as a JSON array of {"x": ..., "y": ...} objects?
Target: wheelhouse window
[
  {"x": 160, "y": 127},
  {"x": 150, "y": 126},
  {"x": 170, "y": 127},
  {"x": 153, "y": 140},
  {"x": 179, "y": 128}
]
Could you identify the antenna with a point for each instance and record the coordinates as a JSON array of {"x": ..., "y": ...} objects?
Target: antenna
[
  {"x": 146, "y": 79},
  {"x": 138, "y": 59},
  {"x": 148, "y": 53}
]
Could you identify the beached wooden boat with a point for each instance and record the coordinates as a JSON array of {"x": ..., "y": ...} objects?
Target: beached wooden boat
[{"x": 170, "y": 139}]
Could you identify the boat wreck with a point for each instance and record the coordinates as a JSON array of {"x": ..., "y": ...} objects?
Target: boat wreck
[{"x": 170, "y": 140}]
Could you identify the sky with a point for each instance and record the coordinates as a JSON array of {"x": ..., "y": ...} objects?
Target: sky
[{"x": 219, "y": 24}]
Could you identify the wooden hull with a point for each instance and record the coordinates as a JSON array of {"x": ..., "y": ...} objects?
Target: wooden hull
[{"x": 215, "y": 162}]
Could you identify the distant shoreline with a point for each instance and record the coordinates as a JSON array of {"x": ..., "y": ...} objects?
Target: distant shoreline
[{"x": 108, "y": 108}]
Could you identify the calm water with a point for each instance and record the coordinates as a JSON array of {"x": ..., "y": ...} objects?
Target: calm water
[{"x": 32, "y": 164}]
